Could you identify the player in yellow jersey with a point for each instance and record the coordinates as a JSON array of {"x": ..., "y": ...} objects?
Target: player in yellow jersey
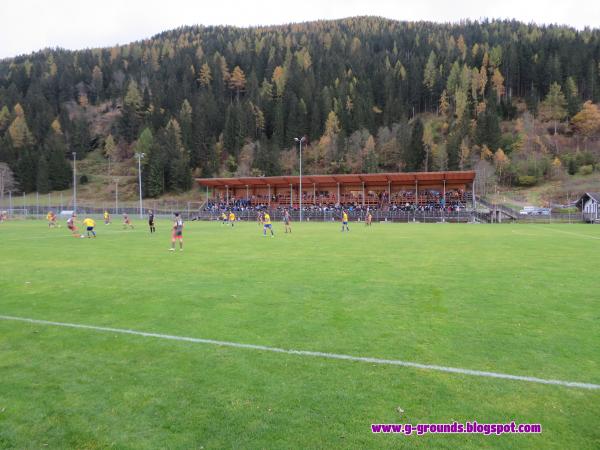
[
  {"x": 223, "y": 218},
  {"x": 267, "y": 224},
  {"x": 51, "y": 219},
  {"x": 106, "y": 218},
  {"x": 231, "y": 218},
  {"x": 345, "y": 220},
  {"x": 89, "y": 225}
]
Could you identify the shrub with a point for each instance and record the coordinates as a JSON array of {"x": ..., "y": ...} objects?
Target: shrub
[
  {"x": 586, "y": 170},
  {"x": 83, "y": 179},
  {"x": 527, "y": 180}
]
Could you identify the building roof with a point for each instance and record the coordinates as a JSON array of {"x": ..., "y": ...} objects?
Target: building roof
[
  {"x": 593, "y": 195},
  {"x": 321, "y": 180}
]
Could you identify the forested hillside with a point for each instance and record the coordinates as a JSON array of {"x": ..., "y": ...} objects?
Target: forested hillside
[{"x": 370, "y": 94}]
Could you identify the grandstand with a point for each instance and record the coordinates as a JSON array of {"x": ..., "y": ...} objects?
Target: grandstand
[{"x": 393, "y": 196}]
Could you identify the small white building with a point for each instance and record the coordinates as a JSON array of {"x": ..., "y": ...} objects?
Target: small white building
[{"x": 589, "y": 204}]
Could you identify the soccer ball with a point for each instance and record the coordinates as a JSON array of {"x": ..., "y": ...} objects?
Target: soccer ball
[{"x": 82, "y": 236}]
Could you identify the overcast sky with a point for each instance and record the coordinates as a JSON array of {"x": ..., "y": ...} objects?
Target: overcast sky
[{"x": 29, "y": 25}]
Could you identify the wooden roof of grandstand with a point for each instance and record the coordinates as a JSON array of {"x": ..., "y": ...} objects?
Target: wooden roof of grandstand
[{"x": 368, "y": 178}]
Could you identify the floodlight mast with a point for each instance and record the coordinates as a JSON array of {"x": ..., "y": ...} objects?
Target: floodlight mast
[
  {"x": 139, "y": 157},
  {"x": 300, "y": 141},
  {"x": 74, "y": 182}
]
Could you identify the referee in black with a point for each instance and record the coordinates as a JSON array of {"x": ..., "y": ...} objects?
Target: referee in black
[{"x": 151, "y": 221}]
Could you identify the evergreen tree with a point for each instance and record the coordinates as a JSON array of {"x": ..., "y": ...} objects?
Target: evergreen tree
[
  {"x": 179, "y": 177},
  {"x": 130, "y": 120},
  {"x": 42, "y": 177},
  {"x": 554, "y": 105},
  {"x": 572, "y": 96},
  {"x": 488, "y": 128},
  {"x": 415, "y": 152},
  {"x": 80, "y": 136},
  {"x": 60, "y": 172}
]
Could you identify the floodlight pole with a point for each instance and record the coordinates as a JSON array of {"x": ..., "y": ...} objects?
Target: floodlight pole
[
  {"x": 74, "y": 182},
  {"x": 116, "y": 196},
  {"x": 300, "y": 141},
  {"x": 139, "y": 157}
]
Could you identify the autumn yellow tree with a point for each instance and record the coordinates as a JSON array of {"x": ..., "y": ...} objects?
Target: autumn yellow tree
[
  {"x": 55, "y": 125},
  {"x": 501, "y": 161},
  {"x": 498, "y": 84},
  {"x": 237, "y": 81},
  {"x": 587, "y": 121},
  {"x": 279, "y": 80},
  {"x": 18, "y": 130},
  {"x": 205, "y": 76},
  {"x": 332, "y": 125},
  {"x": 110, "y": 148},
  {"x": 4, "y": 118},
  {"x": 557, "y": 166},
  {"x": 444, "y": 103},
  {"x": 428, "y": 143},
  {"x": 486, "y": 153}
]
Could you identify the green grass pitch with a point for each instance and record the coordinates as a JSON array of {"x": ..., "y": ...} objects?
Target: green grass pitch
[{"x": 515, "y": 299}]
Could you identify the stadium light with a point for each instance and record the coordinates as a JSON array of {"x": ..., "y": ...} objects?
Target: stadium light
[
  {"x": 300, "y": 141},
  {"x": 75, "y": 182},
  {"x": 139, "y": 157},
  {"x": 116, "y": 196}
]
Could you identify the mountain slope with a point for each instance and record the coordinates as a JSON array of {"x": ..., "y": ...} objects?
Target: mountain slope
[{"x": 227, "y": 100}]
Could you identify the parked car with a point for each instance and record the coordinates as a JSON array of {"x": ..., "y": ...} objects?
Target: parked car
[{"x": 528, "y": 210}]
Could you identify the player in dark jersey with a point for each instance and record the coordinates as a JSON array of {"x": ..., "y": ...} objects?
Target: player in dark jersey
[
  {"x": 177, "y": 233},
  {"x": 151, "y": 221}
]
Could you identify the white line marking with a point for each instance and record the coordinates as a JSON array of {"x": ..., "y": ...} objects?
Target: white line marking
[
  {"x": 77, "y": 236},
  {"x": 393, "y": 362},
  {"x": 569, "y": 232},
  {"x": 524, "y": 234}
]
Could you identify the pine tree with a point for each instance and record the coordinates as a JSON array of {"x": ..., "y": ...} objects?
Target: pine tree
[
  {"x": 415, "y": 153},
  {"x": 26, "y": 169},
  {"x": 80, "y": 136},
  {"x": 554, "y": 105},
  {"x": 185, "y": 120},
  {"x": 60, "y": 171},
  {"x": 42, "y": 178},
  {"x": 154, "y": 174},
  {"x": 572, "y": 96},
  {"x": 130, "y": 121},
  {"x": 488, "y": 128},
  {"x": 97, "y": 83},
  {"x": 430, "y": 73},
  {"x": 179, "y": 177}
]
